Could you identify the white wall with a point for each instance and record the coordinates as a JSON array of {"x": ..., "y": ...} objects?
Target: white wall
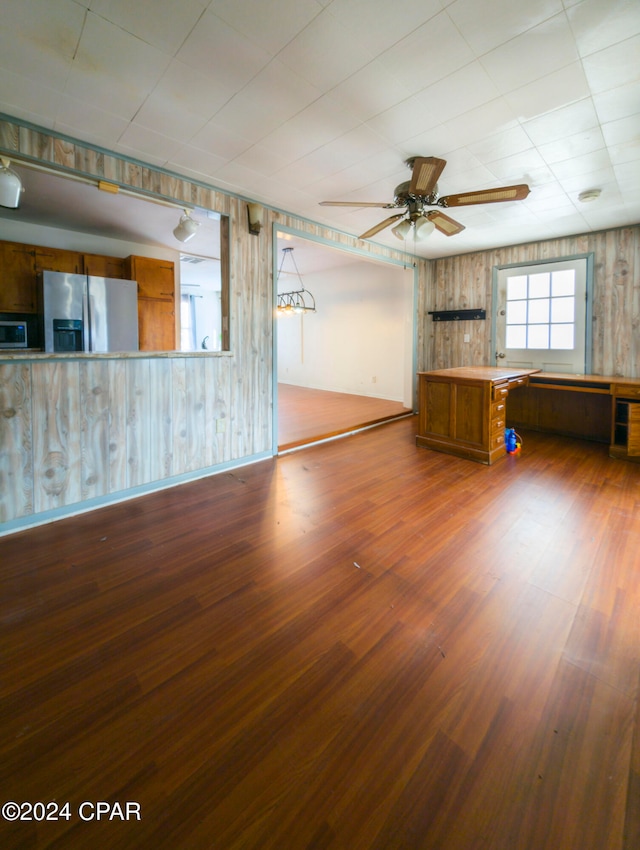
[{"x": 360, "y": 340}]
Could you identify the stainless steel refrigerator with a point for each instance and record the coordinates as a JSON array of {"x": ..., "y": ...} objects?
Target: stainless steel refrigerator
[{"x": 86, "y": 313}]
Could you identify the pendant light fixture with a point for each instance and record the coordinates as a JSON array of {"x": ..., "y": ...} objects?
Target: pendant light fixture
[
  {"x": 292, "y": 301},
  {"x": 10, "y": 186}
]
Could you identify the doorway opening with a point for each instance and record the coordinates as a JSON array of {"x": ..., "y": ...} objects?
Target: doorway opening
[{"x": 351, "y": 363}]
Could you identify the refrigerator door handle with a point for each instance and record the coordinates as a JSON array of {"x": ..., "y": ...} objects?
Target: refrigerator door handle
[{"x": 86, "y": 322}]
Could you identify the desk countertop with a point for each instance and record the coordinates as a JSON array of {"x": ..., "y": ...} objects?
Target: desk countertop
[{"x": 480, "y": 373}]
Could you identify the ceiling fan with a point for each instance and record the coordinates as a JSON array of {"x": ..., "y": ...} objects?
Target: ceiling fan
[{"x": 421, "y": 192}]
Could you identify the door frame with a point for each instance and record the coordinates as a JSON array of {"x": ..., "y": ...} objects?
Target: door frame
[
  {"x": 588, "y": 341},
  {"x": 405, "y": 261}
]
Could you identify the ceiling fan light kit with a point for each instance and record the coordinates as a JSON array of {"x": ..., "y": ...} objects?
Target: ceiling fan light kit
[{"x": 421, "y": 192}]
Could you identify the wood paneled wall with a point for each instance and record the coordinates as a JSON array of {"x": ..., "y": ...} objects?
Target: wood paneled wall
[
  {"x": 466, "y": 282},
  {"x": 76, "y": 430}
]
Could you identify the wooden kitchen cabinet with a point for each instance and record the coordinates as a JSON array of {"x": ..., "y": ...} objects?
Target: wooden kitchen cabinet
[
  {"x": 156, "y": 302},
  {"x": 18, "y": 292},
  {"x": 100, "y": 266},
  {"x": 155, "y": 278},
  {"x": 58, "y": 260},
  {"x": 156, "y": 325}
]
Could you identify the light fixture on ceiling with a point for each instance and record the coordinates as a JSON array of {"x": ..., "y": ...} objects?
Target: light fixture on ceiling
[
  {"x": 292, "y": 301},
  {"x": 589, "y": 195},
  {"x": 422, "y": 227},
  {"x": 10, "y": 186},
  {"x": 186, "y": 228},
  {"x": 254, "y": 214}
]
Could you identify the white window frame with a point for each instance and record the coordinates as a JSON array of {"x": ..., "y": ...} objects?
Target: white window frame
[{"x": 528, "y": 268}]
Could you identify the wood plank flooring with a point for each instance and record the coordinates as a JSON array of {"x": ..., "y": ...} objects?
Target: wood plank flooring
[
  {"x": 361, "y": 645},
  {"x": 307, "y": 415}
]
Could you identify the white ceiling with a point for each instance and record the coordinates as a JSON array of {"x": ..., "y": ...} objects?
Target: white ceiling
[{"x": 290, "y": 102}]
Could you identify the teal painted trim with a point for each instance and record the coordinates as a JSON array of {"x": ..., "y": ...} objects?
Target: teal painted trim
[
  {"x": 34, "y": 520},
  {"x": 403, "y": 259}
]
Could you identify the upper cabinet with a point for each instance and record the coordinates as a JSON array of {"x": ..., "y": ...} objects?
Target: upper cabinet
[
  {"x": 156, "y": 302},
  {"x": 58, "y": 260},
  {"x": 99, "y": 266},
  {"x": 156, "y": 278},
  {"x": 18, "y": 269}
]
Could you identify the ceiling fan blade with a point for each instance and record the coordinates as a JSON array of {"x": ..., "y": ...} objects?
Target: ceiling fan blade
[
  {"x": 444, "y": 223},
  {"x": 381, "y": 225},
  {"x": 354, "y": 204},
  {"x": 486, "y": 196},
  {"x": 426, "y": 170}
]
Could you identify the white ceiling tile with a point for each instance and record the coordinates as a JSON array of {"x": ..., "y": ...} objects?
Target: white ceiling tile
[
  {"x": 75, "y": 116},
  {"x": 316, "y": 125},
  {"x": 216, "y": 139},
  {"x": 581, "y": 165},
  {"x": 22, "y": 96},
  {"x": 517, "y": 167},
  {"x": 144, "y": 141},
  {"x": 574, "y": 183},
  {"x": 53, "y": 28},
  {"x": 507, "y": 141},
  {"x": 219, "y": 51},
  {"x": 561, "y": 123},
  {"x": 618, "y": 103},
  {"x": 577, "y": 145},
  {"x": 381, "y": 24},
  {"x": 536, "y": 53},
  {"x": 549, "y": 93},
  {"x": 325, "y": 53},
  {"x": 272, "y": 97},
  {"x": 164, "y": 26},
  {"x": 478, "y": 124},
  {"x": 271, "y": 25},
  {"x": 445, "y": 48},
  {"x": 184, "y": 92},
  {"x": 615, "y": 66},
  {"x": 404, "y": 120},
  {"x": 114, "y": 68},
  {"x": 508, "y": 19},
  {"x": 199, "y": 163},
  {"x": 464, "y": 90},
  {"x": 597, "y": 24},
  {"x": 370, "y": 91},
  {"x": 623, "y": 130},
  {"x": 625, "y": 152}
]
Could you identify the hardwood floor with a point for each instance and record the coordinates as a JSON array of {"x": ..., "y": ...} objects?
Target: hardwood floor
[
  {"x": 306, "y": 415},
  {"x": 362, "y": 645}
]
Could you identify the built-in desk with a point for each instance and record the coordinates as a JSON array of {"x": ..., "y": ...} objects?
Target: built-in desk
[
  {"x": 460, "y": 409},
  {"x": 592, "y": 407}
]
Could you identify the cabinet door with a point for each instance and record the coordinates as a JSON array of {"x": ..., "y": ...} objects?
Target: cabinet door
[
  {"x": 18, "y": 270},
  {"x": 99, "y": 266},
  {"x": 156, "y": 325},
  {"x": 633, "y": 439},
  {"x": 58, "y": 260},
  {"x": 156, "y": 278}
]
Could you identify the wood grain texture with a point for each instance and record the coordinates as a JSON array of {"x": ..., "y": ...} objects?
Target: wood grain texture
[{"x": 358, "y": 645}]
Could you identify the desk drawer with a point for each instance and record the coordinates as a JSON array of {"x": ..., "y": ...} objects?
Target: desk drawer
[
  {"x": 500, "y": 392},
  {"x": 518, "y": 382},
  {"x": 626, "y": 391}
]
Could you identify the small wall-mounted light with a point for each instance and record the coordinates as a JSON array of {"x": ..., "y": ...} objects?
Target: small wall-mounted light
[{"x": 255, "y": 214}]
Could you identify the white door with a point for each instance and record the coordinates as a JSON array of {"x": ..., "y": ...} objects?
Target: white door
[{"x": 540, "y": 320}]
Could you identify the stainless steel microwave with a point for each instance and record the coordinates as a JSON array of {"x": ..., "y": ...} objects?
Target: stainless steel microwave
[{"x": 13, "y": 334}]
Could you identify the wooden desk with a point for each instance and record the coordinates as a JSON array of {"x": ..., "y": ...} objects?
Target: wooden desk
[
  {"x": 592, "y": 407},
  {"x": 462, "y": 411}
]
